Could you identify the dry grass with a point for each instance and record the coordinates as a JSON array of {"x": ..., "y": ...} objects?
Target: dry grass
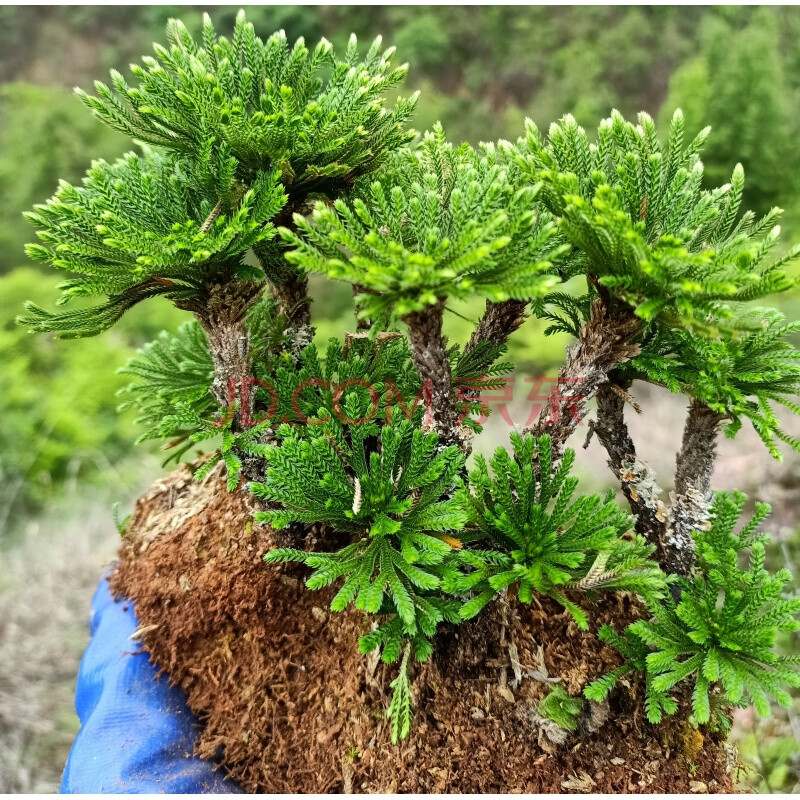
[{"x": 46, "y": 583}]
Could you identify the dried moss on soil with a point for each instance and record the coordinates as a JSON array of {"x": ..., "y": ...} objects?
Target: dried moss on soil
[{"x": 292, "y": 706}]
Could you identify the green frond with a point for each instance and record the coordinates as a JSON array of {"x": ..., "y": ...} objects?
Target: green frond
[
  {"x": 641, "y": 223},
  {"x": 399, "y": 711},
  {"x": 561, "y": 708},
  {"x": 139, "y": 228},
  {"x": 540, "y": 540},
  {"x": 172, "y": 388},
  {"x": 739, "y": 377},
  {"x": 436, "y": 222},
  {"x": 318, "y": 118},
  {"x": 391, "y": 491},
  {"x": 722, "y": 631}
]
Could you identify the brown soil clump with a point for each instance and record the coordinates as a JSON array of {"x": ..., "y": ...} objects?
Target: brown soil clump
[{"x": 290, "y": 705}]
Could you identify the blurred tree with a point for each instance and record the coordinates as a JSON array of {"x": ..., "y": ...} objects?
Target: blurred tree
[
  {"x": 421, "y": 38},
  {"x": 48, "y": 395},
  {"x": 45, "y": 134},
  {"x": 748, "y": 106},
  {"x": 688, "y": 90},
  {"x": 737, "y": 85}
]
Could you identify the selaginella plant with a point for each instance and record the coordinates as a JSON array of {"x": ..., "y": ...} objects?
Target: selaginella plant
[
  {"x": 262, "y": 162},
  {"x": 722, "y": 631},
  {"x": 250, "y": 130},
  {"x": 560, "y": 707},
  {"x": 397, "y": 503},
  {"x": 538, "y": 541},
  {"x": 671, "y": 270}
]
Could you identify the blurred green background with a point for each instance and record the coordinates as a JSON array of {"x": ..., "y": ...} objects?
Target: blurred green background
[{"x": 66, "y": 455}]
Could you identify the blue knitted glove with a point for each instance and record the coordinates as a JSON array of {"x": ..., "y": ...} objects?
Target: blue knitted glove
[{"x": 137, "y": 733}]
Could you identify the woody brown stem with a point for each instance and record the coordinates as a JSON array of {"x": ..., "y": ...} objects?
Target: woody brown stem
[
  {"x": 498, "y": 322},
  {"x": 212, "y": 217},
  {"x": 229, "y": 345},
  {"x": 693, "y": 473},
  {"x": 636, "y": 478},
  {"x": 362, "y": 324},
  {"x": 288, "y": 284},
  {"x": 604, "y": 342},
  {"x": 295, "y": 305},
  {"x": 430, "y": 358},
  {"x": 221, "y": 313}
]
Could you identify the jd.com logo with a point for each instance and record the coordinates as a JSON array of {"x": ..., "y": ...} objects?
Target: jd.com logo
[{"x": 564, "y": 396}]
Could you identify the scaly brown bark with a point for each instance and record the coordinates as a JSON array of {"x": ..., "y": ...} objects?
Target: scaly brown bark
[
  {"x": 636, "y": 478},
  {"x": 693, "y": 473},
  {"x": 430, "y": 358},
  {"x": 605, "y": 341}
]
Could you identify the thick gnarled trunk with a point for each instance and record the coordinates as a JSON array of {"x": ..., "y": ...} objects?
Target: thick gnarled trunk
[
  {"x": 605, "y": 341},
  {"x": 221, "y": 314},
  {"x": 295, "y": 305},
  {"x": 694, "y": 470},
  {"x": 636, "y": 477},
  {"x": 430, "y": 358}
]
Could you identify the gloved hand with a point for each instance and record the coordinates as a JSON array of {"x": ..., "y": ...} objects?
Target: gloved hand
[{"x": 137, "y": 733}]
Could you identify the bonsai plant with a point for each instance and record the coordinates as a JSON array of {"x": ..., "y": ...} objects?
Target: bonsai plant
[{"x": 262, "y": 162}]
